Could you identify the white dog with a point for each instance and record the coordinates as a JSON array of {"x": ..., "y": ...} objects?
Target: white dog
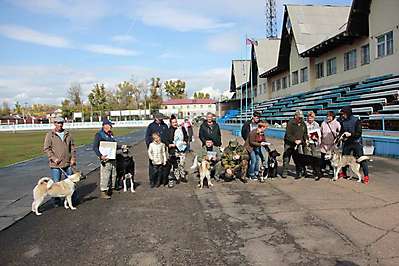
[
  {"x": 46, "y": 186},
  {"x": 338, "y": 161},
  {"x": 205, "y": 172}
]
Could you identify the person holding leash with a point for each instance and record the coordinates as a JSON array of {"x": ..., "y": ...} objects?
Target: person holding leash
[
  {"x": 108, "y": 166},
  {"x": 351, "y": 135},
  {"x": 250, "y": 125},
  {"x": 330, "y": 129},
  {"x": 296, "y": 136},
  {"x": 61, "y": 153}
]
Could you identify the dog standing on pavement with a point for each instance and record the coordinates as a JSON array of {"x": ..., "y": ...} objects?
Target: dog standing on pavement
[
  {"x": 125, "y": 168},
  {"x": 205, "y": 172},
  {"x": 46, "y": 186},
  {"x": 338, "y": 161},
  {"x": 272, "y": 163}
]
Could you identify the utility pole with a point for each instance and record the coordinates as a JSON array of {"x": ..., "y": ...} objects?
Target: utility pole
[{"x": 270, "y": 19}]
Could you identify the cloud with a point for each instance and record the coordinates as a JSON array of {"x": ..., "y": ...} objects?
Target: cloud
[
  {"x": 123, "y": 39},
  {"x": 109, "y": 50},
  {"x": 228, "y": 42},
  {"x": 25, "y": 34},
  {"x": 160, "y": 14}
]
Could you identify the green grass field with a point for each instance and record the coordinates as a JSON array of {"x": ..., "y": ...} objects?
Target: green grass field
[{"x": 20, "y": 146}]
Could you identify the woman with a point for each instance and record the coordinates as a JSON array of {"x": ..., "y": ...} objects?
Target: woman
[
  {"x": 253, "y": 145},
  {"x": 330, "y": 129}
]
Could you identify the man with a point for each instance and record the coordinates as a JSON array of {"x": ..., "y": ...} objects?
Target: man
[
  {"x": 295, "y": 139},
  {"x": 250, "y": 125},
  {"x": 235, "y": 161},
  {"x": 209, "y": 129},
  {"x": 108, "y": 166},
  {"x": 160, "y": 127},
  {"x": 61, "y": 152},
  {"x": 351, "y": 134},
  {"x": 211, "y": 153}
]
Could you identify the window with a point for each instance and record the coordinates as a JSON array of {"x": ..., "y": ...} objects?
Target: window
[
  {"x": 365, "y": 54},
  {"x": 304, "y": 74},
  {"x": 294, "y": 78},
  {"x": 320, "y": 70},
  {"x": 385, "y": 44},
  {"x": 273, "y": 85},
  {"x": 350, "y": 60},
  {"x": 284, "y": 82},
  {"x": 332, "y": 66},
  {"x": 278, "y": 84}
]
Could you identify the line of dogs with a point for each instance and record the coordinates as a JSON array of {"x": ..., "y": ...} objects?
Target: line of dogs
[{"x": 126, "y": 171}]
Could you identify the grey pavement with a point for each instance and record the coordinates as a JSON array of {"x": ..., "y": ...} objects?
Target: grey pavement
[{"x": 18, "y": 180}]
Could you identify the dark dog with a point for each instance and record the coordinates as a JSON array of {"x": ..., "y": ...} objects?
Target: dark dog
[
  {"x": 272, "y": 163},
  {"x": 303, "y": 160},
  {"x": 125, "y": 168}
]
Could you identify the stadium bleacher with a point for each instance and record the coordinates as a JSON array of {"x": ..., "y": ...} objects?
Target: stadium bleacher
[{"x": 373, "y": 100}]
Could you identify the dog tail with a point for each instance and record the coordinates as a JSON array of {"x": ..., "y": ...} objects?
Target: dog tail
[
  {"x": 195, "y": 164},
  {"x": 363, "y": 158},
  {"x": 46, "y": 180}
]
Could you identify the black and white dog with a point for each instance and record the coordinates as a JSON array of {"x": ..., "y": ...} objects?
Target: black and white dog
[
  {"x": 125, "y": 167},
  {"x": 272, "y": 163}
]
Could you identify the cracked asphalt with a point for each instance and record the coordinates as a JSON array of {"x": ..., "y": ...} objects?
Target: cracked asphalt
[{"x": 280, "y": 222}]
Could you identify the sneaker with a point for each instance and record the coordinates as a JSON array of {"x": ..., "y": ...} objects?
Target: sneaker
[
  {"x": 171, "y": 183},
  {"x": 366, "y": 179},
  {"x": 104, "y": 195},
  {"x": 342, "y": 175}
]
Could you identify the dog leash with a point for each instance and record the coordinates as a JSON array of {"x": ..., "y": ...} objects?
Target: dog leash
[{"x": 62, "y": 170}]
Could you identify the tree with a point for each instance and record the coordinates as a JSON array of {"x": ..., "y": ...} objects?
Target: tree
[
  {"x": 155, "y": 99},
  {"x": 98, "y": 98},
  {"x": 18, "y": 108},
  {"x": 201, "y": 95},
  {"x": 126, "y": 94},
  {"x": 195, "y": 96},
  {"x": 67, "y": 108},
  {"x": 74, "y": 94},
  {"x": 175, "y": 89},
  {"x": 5, "y": 109}
]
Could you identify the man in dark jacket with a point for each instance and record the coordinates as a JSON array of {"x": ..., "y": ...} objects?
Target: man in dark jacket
[
  {"x": 351, "y": 134},
  {"x": 158, "y": 125},
  {"x": 295, "y": 139},
  {"x": 250, "y": 125},
  {"x": 210, "y": 130},
  {"x": 108, "y": 166}
]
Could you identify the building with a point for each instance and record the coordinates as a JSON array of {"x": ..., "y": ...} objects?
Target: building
[
  {"x": 323, "y": 46},
  {"x": 188, "y": 107}
]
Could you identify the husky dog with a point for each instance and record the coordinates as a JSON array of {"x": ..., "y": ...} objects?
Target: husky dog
[
  {"x": 46, "y": 186},
  {"x": 338, "y": 161}
]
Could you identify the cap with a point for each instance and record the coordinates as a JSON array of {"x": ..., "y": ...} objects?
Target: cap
[
  {"x": 107, "y": 122},
  {"x": 233, "y": 143},
  {"x": 158, "y": 116},
  {"x": 299, "y": 113},
  {"x": 59, "y": 119},
  {"x": 256, "y": 113}
]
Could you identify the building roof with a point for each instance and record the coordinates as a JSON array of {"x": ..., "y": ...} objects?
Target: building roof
[
  {"x": 266, "y": 53},
  {"x": 240, "y": 70},
  {"x": 313, "y": 24},
  {"x": 188, "y": 101}
]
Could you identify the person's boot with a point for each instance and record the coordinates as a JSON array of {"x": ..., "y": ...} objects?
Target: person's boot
[
  {"x": 104, "y": 195},
  {"x": 366, "y": 179}
]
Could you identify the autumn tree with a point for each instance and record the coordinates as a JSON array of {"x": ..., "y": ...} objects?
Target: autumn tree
[
  {"x": 175, "y": 89},
  {"x": 126, "y": 94},
  {"x": 5, "y": 109},
  {"x": 67, "y": 108},
  {"x": 74, "y": 94},
  {"x": 201, "y": 95},
  {"x": 155, "y": 98},
  {"x": 18, "y": 108},
  {"x": 98, "y": 98}
]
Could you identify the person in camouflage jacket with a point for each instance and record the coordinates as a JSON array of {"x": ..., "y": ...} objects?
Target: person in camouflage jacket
[{"x": 235, "y": 161}]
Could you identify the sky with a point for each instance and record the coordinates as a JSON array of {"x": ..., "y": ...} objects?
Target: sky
[{"x": 46, "y": 45}]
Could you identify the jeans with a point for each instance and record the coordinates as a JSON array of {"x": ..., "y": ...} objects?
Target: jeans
[
  {"x": 357, "y": 149},
  {"x": 56, "y": 175},
  {"x": 264, "y": 154},
  {"x": 254, "y": 162}
]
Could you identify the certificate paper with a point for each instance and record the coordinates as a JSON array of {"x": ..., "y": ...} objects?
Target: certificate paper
[{"x": 108, "y": 148}]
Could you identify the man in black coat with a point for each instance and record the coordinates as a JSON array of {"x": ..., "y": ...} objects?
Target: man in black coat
[
  {"x": 250, "y": 125},
  {"x": 210, "y": 130},
  {"x": 162, "y": 128}
]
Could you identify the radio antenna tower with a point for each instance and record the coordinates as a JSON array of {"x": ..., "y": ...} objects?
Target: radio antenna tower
[{"x": 270, "y": 19}]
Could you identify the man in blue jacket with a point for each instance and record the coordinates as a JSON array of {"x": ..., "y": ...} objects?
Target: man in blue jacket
[
  {"x": 158, "y": 125},
  {"x": 108, "y": 166}
]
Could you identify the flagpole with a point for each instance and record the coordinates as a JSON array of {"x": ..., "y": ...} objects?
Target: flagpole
[
  {"x": 251, "y": 73},
  {"x": 245, "y": 79}
]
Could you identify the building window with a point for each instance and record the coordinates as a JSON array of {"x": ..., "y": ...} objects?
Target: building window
[
  {"x": 294, "y": 78},
  {"x": 385, "y": 44},
  {"x": 350, "y": 60},
  {"x": 365, "y": 54},
  {"x": 319, "y": 70},
  {"x": 304, "y": 74},
  {"x": 278, "y": 84},
  {"x": 273, "y": 85},
  {"x": 332, "y": 66},
  {"x": 284, "y": 83}
]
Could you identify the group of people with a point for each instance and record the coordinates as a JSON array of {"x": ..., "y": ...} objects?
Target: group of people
[{"x": 168, "y": 146}]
